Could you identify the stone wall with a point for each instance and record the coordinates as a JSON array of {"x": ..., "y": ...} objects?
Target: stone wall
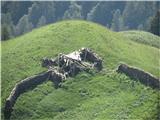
[
  {"x": 144, "y": 77},
  {"x": 21, "y": 87},
  {"x": 56, "y": 78},
  {"x": 88, "y": 55}
]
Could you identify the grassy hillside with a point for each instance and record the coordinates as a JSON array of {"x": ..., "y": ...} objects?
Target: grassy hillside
[
  {"x": 143, "y": 37},
  {"x": 104, "y": 95}
]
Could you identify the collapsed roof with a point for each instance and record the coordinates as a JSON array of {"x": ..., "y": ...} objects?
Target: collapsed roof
[{"x": 72, "y": 63}]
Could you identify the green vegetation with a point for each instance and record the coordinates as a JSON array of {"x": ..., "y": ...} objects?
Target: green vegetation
[
  {"x": 23, "y": 16},
  {"x": 143, "y": 37},
  {"x": 104, "y": 95},
  {"x": 155, "y": 24}
]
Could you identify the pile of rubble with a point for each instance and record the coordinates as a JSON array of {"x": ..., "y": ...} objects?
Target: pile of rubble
[
  {"x": 71, "y": 64},
  {"x": 59, "y": 69}
]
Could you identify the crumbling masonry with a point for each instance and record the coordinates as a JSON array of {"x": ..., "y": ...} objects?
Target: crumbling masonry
[
  {"x": 64, "y": 66},
  {"x": 144, "y": 77},
  {"x": 59, "y": 69}
]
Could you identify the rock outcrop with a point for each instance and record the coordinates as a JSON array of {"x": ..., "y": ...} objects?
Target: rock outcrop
[{"x": 144, "y": 77}]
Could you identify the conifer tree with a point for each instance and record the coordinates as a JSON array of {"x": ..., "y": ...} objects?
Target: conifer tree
[
  {"x": 41, "y": 22},
  {"x": 74, "y": 12},
  {"x": 155, "y": 24},
  {"x": 24, "y": 25}
]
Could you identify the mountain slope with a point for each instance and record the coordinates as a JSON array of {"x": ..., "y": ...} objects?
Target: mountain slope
[{"x": 104, "y": 95}]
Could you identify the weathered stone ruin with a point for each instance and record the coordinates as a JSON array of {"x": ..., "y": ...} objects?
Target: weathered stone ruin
[
  {"x": 144, "y": 77},
  {"x": 59, "y": 69},
  {"x": 69, "y": 65},
  {"x": 79, "y": 58},
  {"x": 20, "y": 88}
]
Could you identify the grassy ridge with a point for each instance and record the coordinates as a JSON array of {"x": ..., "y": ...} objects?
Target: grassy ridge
[
  {"x": 88, "y": 96},
  {"x": 143, "y": 37}
]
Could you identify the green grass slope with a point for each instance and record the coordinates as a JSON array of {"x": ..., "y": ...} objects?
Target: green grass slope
[
  {"x": 143, "y": 37},
  {"x": 95, "y": 96}
]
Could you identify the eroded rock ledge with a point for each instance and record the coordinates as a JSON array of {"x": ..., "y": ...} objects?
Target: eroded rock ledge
[{"x": 136, "y": 73}]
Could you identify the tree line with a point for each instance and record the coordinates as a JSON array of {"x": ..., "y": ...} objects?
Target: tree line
[{"x": 19, "y": 17}]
